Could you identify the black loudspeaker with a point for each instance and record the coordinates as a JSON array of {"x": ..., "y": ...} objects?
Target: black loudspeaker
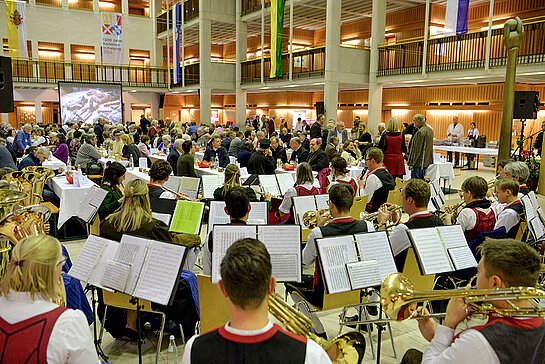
[
  {"x": 161, "y": 101},
  {"x": 320, "y": 108},
  {"x": 6, "y": 85},
  {"x": 526, "y": 105}
]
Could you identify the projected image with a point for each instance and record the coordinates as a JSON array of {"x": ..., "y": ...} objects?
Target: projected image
[{"x": 87, "y": 102}]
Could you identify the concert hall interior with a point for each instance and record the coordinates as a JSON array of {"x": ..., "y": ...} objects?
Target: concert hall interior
[{"x": 283, "y": 181}]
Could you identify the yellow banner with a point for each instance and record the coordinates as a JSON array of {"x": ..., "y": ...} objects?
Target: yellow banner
[{"x": 16, "y": 38}]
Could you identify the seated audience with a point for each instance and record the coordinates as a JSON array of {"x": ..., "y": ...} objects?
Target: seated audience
[
  {"x": 237, "y": 144},
  {"x": 114, "y": 175},
  {"x": 35, "y": 158},
  {"x": 244, "y": 155},
  {"x": 130, "y": 150},
  {"x": 186, "y": 162},
  {"x": 262, "y": 161},
  {"x": 351, "y": 153},
  {"x": 143, "y": 146},
  {"x": 165, "y": 145},
  {"x": 108, "y": 143},
  {"x": 88, "y": 156},
  {"x": 377, "y": 182},
  {"x": 299, "y": 154},
  {"x": 278, "y": 151},
  {"x": 520, "y": 172},
  {"x": 175, "y": 153},
  {"x": 332, "y": 148},
  {"x": 317, "y": 158},
  {"x": 218, "y": 152},
  {"x": 62, "y": 149},
  {"x": 232, "y": 179}
]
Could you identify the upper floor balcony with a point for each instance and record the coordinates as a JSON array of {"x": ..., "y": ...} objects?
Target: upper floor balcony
[{"x": 164, "y": 20}]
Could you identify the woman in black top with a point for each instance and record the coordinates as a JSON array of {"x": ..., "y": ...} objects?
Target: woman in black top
[
  {"x": 363, "y": 138},
  {"x": 111, "y": 182}
]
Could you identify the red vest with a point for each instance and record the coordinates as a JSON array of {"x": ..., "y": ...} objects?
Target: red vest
[
  {"x": 352, "y": 183},
  {"x": 485, "y": 222},
  {"x": 302, "y": 191},
  {"x": 26, "y": 341}
]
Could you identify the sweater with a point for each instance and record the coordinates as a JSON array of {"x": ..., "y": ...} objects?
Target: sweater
[
  {"x": 62, "y": 153},
  {"x": 186, "y": 166}
]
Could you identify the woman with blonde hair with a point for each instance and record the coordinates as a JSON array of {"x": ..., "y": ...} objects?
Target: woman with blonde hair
[
  {"x": 362, "y": 138},
  {"x": 130, "y": 149},
  {"x": 36, "y": 329},
  {"x": 232, "y": 179},
  {"x": 392, "y": 144},
  {"x": 350, "y": 152}
]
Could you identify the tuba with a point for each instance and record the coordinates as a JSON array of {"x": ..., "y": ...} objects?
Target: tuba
[
  {"x": 24, "y": 222},
  {"x": 43, "y": 174},
  {"x": 348, "y": 348},
  {"x": 310, "y": 217},
  {"x": 24, "y": 182},
  {"x": 8, "y": 201}
]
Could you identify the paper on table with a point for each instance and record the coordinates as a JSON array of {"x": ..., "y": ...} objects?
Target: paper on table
[
  {"x": 462, "y": 257},
  {"x": 302, "y": 204},
  {"x": 283, "y": 243},
  {"x": 161, "y": 217},
  {"x": 190, "y": 186},
  {"x": 223, "y": 237},
  {"x": 334, "y": 254},
  {"x": 115, "y": 275},
  {"x": 209, "y": 184},
  {"x": 160, "y": 272},
  {"x": 88, "y": 258},
  {"x": 187, "y": 217},
  {"x": 322, "y": 201},
  {"x": 143, "y": 162},
  {"x": 430, "y": 250},
  {"x": 537, "y": 227},
  {"x": 375, "y": 246},
  {"x": 285, "y": 182},
  {"x": 132, "y": 250},
  {"x": 452, "y": 235},
  {"x": 269, "y": 184},
  {"x": 364, "y": 274},
  {"x": 528, "y": 207}
]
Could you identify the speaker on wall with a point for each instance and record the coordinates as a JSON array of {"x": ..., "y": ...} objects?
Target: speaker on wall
[
  {"x": 526, "y": 105},
  {"x": 320, "y": 108},
  {"x": 6, "y": 85},
  {"x": 161, "y": 101}
]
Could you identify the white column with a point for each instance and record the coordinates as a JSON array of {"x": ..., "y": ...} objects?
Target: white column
[
  {"x": 156, "y": 53},
  {"x": 426, "y": 31},
  {"x": 38, "y": 110},
  {"x": 65, "y": 4},
  {"x": 262, "y": 39},
  {"x": 241, "y": 47},
  {"x": 125, "y": 7},
  {"x": 34, "y": 49},
  {"x": 375, "y": 89},
  {"x": 96, "y": 7},
  {"x": 205, "y": 66},
  {"x": 489, "y": 36},
  {"x": 68, "y": 58},
  {"x": 332, "y": 58}
]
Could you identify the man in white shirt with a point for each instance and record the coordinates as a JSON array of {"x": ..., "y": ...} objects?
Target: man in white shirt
[
  {"x": 455, "y": 131},
  {"x": 377, "y": 181},
  {"x": 504, "y": 263},
  {"x": 250, "y": 337}
]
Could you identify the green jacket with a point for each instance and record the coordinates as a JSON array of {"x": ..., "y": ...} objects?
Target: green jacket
[{"x": 110, "y": 203}]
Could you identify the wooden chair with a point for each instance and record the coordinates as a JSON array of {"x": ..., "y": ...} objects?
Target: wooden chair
[
  {"x": 214, "y": 307},
  {"x": 359, "y": 206},
  {"x": 394, "y": 196},
  {"x": 54, "y": 217}
]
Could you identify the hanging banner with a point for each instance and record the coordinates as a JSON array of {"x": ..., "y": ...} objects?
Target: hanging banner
[
  {"x": 112, "y": 45},
  {"x": 16, "y": 22},
  {"x": 456, "y": 17},
  {"x": 176, "y": 9},
  {"x": 277, "y": 25}
]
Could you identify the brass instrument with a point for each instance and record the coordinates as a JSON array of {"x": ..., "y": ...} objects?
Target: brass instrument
[
  {"x": 374, "y": 215},
  {"x": 8, "y": 201},
  {"x": 24, "y": 182},
  {"x": 345, "y": 348},
  {"x": 39, "y": 182},
  {"x": 492, "y": 182},
  {"x": 453, "y": 209},
  {"x": 310, "y": 217},
  {"x": 24, "y": 222}
]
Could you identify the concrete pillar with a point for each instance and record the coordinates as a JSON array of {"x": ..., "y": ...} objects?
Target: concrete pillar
[
  {"x": 34, "y": 49},
  {"x": 68, "y": 58},
  {"x": 65, "y": 4},
  {"x": 332, "y": 58},
  {"x": 205, "y": 66},
  {"x": 375, "y": 89},
  {"x": 125, "y": 7},
  {"x": 38, "y": 110},
  {"x": 241, "y": 47},
  {"x": 156, "y": 53}
]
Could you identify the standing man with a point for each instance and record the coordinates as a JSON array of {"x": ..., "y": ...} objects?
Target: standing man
[
  {"x": 339, "y": 131},
  {"x": 316, "y": 128},
  {"x": 22, "y": 140},
  {"x": 144, "y": 123},
  {"x": 99, "y": 129},
  {"x": 421, "y": 148},
  {"x": 298, "y": 125},
  {"x": 454, "y": 132}
]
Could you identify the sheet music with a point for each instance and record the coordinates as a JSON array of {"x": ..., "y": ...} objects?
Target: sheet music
[
  {"x": 187, "y": 217},
  {"x": 431, "y": 206},
  {"x": 285, "y": 182},
  {"x": 218, "y": 216},
  {"x": 334, "y": 254},
  {"x": 283, "y": 243},
  {"x": 462, "y": 257},
  {"x": 132, "y": 250},
  {"x": 223, "y": 237},
  {"x": 430, "y": 250},
  {"x": 364, "y": 274},
  {"x": 528, "y": 207},
  {"x": 108, "y": 254},
  {"x": 244, "y": 172},
  {"x": 302, "y": 204},
  {"x": 258, "y": 214},
  {"x": 537, "y": 227},
  {"x": 376, "y": 246},
  {"x": 322, "y": 201},
  {"x": 209, "y": 184},
  {"x": 160, "y": 272},
  {"x": 453, "y": 236},
  {"x": 162, "y": 217},
  {"x": 269, "y": 184},
  {"x": 173, "y": 183},
  {"x": 190, "y": 186},
  {"x": 533, "y": 200},
  {"x": 437, "y": 201},
  {"x": 541, "y": 214},
  {"x": 91, "y": 203},
  {"x": 88, "y": 258},
  {"x": 115, "y": 275}
]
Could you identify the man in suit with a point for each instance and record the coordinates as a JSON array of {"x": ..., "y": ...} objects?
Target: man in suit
[
  {"x": 278, "y": 151},
  {"x": 316, "y": 128},
  {"x": 340, "y": 132},
  {"x": 317, "y": 159},
  {"x": 285, "y": 136},
  {"x": 175, "y": 153},
  {"x": 332, "y": 148},
  {"x": 299, "y": 154}
]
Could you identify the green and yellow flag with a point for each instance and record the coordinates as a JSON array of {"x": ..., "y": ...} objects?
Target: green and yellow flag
[{"x": 277, "y": 25}]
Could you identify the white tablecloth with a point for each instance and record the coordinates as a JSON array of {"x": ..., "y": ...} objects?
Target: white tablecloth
[
  {"x": 134, "y": 173},
  {"x": 103, "y": 161},
  {"x": 156, "y": 157},
  {"x": 53, "y": 163},
  {"x": 468, "y": 150},
  {"x": 71, "y": 197},
  {"x": 435, "y": 171}
]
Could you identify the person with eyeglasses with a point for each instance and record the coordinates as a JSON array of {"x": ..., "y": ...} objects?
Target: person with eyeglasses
[
  {"x": 34, "y": 328},
  {"x": 377, "y": 182}
]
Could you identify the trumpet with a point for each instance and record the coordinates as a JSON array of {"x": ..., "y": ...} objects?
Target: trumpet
[
  {"x": 453, "y": 209},
  {"x": 310, "y": 217},
  {"x": 374, "y": 215},
  {"x": 492, "y": 182}
]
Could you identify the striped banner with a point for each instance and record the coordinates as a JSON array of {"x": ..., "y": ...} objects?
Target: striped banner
[
  {"x": 456, "y": 17},
  {"x": 176, "y": 10},
  {"x": 277, "y": 25},
  {"x": 16, "y": 23}
]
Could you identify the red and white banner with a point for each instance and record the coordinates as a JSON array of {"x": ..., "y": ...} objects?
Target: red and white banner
[{"x": 112, "y": 44}]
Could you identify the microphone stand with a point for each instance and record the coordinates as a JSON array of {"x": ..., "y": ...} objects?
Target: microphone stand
[{"x": 520, "y": 143}]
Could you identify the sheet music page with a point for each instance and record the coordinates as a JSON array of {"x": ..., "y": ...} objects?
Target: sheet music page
[
  {"x": 217, "y": 214},
  {"x": 322, "y": 201},
  {"x": 115, "y": 275},
  {"x": 376, "y": 246},
  {"x": 533, "y": 200},
  {"x": 528, "y": 207},
  {"x": 452, "y": 235},
  {"x": 438, "y": 202},
  {"x": 91, "y": 203},
  {"x": 223, "y": 237},
  {"x": 283, "y": 243},
  {"x": 364, "y": 274},
  {"x": 88, "y": 258},
  {"x": 431, "y": 206},
  {"x": 430, "y": 250},
  {"x": 109, "y": 253},
  {"x": 269, "y": 184},
  {"x": 190, "y": 186},
  {"x": 209, "y": 184},
  {"x": 244, "y": 172},
  {"x": 537, "y": 227},
  {"x": 187, "y": 217},
  {"x": 258, "y": 214},
  {"x": 462, "y": 257},
  {"x": 541, "y": 214},
  {"x": 334, "y": 254},
  {"x": 285, "y": 182},
  {"x": 173, "y": 183},
  {"x": 160, "y": 272},
  {"x": 302, "y": 204},
  {"x": 162, "y": 217},
  {"x": 132, "y": 250}
]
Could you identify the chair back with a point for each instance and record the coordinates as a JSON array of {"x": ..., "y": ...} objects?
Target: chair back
[
  {"x": 214, "y": 307},
  {"x": 412, "y": 270},
  {"x": 359, "y": 206}
]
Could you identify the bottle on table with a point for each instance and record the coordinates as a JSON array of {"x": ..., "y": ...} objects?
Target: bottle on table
[{"x": 172, "y": 351}]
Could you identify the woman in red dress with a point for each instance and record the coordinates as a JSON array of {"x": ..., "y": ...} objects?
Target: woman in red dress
[{"x": 393, "y": 146}]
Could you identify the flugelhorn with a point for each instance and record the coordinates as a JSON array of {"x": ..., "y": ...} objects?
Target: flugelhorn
[
  {"x": 346, "y": 348},
  {"x": 374, "y": 215},
  {"x": 453, "y": 209},
  {"x": 310, "y": 217}
]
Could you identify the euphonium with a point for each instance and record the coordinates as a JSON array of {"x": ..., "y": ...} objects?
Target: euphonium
[
  {"x": 346, "y": 348},
  {"x": 39, "y": 182},
  {"x": 24, "y": 182},
  {"x": 9, "y": 199},
  {"x": 24, "y": 222},
  {"x": 309, "y": 218}
]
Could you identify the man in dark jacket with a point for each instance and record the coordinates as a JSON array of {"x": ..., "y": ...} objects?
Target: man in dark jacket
[
  {"x": 216, "y": 150},
  {"x": 262, "y": 161},
  {"x": 278, "y": 151},
  {"x": 175, "y": 153},
  {"x": 285, "y": 136},
  {"x": 316, "y": 128},
  {"x": 144, "y": 123},
  {"x": 299, "y": 154},
  {"x": 317, "y": 159},
  {"x": 99, "y": 129}
]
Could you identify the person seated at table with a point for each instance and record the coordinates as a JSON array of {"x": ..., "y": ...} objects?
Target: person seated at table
[
  {"x": 350, "y": 152},
  {"x": 520, "y": 172},
  {"x": 134, "y": 218},
  {"x": 130, "y": 150},
  {"x": 175, "y": 153},
  {"x": 143, "y": 146},
  {"x": 332, "y": 148},
  {"x": 88, "y": 156},
  {"x": 377, "y": 182},
  {"x": 62, "y": 149},
  {"x": 250, "y": 337},
  {"x": 232, "y": 179},
  {"x": 508, "y": 207},
  {"x": 114, "y": 175},
  {"x": 244, "y": 155},
  {"x": 278, "y": 151},
  {"x": 186, "y": 162},
  {"x": 108, "y": 143},
  {"x": 262, "y": 161},
  {"x": 317, "y": 158},
  {"x": 339, "y": 172},
  {"x": 216, "y": 151},
  {"x": 298, "y": 154},
  {"x": 165, "y": 146},
  {"x": 74, "y": 145},
  {"x": 117, "y": 145},
  {"x": 34, "y": 328},
  {"x": 35, "y": 158}
]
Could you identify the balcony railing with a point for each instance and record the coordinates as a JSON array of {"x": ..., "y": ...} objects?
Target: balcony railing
[
  {"x": 191, "y": 11},
  {"x": 249, "y": 6},
  {"x": 306, "y": 63},
  {"x": 42, "y": 71},
  {"x": 461, "y": 51}
]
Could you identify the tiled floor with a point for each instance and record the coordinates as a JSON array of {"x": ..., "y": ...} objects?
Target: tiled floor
[{"x": 405, "y": 334}]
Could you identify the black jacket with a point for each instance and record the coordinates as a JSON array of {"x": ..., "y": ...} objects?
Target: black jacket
[
  {"x": 221, "y": 153},
  {"x": 300, "y": 155},
  {"x": 261, "y": 164},
  {"x": 315, "y": 130},
  {"x": 280, "y": 153},
  {"x": 318, "y": 160},
  {"x": 173, "y": 159}
]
